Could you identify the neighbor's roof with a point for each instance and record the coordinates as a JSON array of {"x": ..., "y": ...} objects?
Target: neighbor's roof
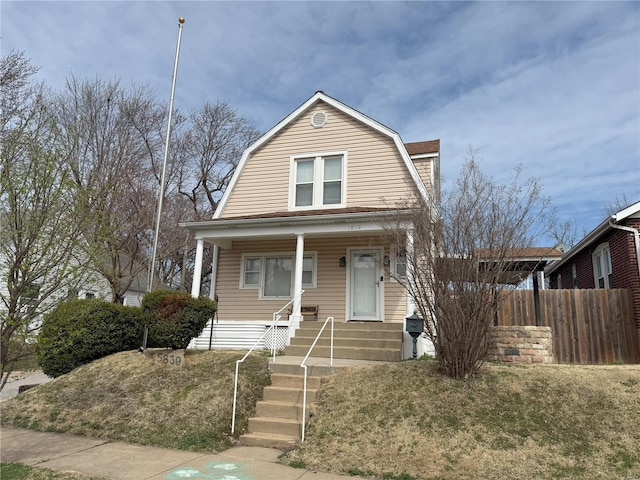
[
  {"x": 524, "y": 253},
  {"x": 417, "y": 148},
  {"x": 632, "y": 210}
]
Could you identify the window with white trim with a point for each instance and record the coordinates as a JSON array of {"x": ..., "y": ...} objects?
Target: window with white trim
[
  {"x": 273, "y": 273},
  {"x": 398, "y": 263},
  {"x": 602, "y": 272},
  {"x": 318, "y": 181},
  {"x": 251, "y": 272}
]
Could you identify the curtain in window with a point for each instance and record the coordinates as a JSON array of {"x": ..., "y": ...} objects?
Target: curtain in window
[
  {"x": 277, "y": 280},
  {"x": 332, "y": 193},
  {"x": 304, "y": 182}
]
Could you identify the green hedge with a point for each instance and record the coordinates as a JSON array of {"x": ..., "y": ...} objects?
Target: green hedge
[
  {"x": 175, "y": 317},
  {"x": 80, "y": 331}
]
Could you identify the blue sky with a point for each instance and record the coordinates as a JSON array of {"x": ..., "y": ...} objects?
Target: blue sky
[{"x": 554, "y": 86}]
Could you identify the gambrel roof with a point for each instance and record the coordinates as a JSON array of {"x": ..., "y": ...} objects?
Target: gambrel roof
[{"x": 422, "y": 147}]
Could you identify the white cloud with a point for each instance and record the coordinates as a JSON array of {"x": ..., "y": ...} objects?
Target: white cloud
[{"x": 552, "y": 85}]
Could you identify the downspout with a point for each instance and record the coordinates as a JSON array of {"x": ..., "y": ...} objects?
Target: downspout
[{"x": 636, "y": 238}]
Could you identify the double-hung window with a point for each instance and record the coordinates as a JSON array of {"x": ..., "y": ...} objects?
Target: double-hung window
[
  {"x": 273, "y": 273},
  {"x": 318, "y": 180},
  {"x": 602, "y": 271}
]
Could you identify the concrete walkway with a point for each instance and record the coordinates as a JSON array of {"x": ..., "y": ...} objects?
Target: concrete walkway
[
  {"x": 124, "y": 461},
  {"x": 17, "y": 379}
]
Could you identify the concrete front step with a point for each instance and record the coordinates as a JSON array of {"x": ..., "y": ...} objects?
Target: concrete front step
[
  {"x": 272, "y": 440},
  {"x": 364, "y": 342},
  {"x": 288, "y": 410},
  {"x": 287, "y": 394},
  {"x": 274, "y": 425},
  {"x": 390, "y": 327},
  {"x": 357, "y": 353},
  {"x": 296, "y": 369},
  {"x": 294, "y": 381}
]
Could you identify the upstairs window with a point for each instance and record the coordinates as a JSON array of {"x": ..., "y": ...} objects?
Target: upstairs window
[
  {"x": 602, "y": 272},
  {"x": 318, "y": 181}
]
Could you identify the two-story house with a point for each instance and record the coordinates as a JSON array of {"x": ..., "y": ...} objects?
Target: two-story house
[{"x": 305, "y": 212}]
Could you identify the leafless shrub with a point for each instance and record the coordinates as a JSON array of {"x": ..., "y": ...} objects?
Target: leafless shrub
[{"x": 459, "y": 256}]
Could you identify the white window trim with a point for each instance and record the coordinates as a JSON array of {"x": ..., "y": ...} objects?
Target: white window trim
[
  {"x": 393, "y": 251},
  {"x": 602, "y": 252},
  {"x": 263, "y": 256},
  {"x": 242, "y": 271},
  {"x": 318, "y": 180}
]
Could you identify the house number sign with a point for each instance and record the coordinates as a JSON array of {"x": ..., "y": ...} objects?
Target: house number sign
[{"x": 166, "y": 356}]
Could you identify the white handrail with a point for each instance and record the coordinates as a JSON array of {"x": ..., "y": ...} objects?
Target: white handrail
[
  {"x": 273, "y": 328},
  {"x": 304, "y": 391},
  {"x": 276, "y": 317}
]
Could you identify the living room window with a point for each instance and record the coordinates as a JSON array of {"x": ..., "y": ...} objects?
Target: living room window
[
  {"x": 318, "y": 180},
  {"x": 602, "y": 272},
  {"x": 272, "y": 273}
]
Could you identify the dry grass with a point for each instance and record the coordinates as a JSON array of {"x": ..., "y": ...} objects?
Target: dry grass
[
  {"x": 128, "y": 397},
  {"x": 398, "y": 421},
  {"x": 402, "y": 421},
  {"x": 17, "y": 471}
]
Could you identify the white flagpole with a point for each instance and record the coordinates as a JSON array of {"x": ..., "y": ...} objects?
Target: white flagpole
[{"x": 164, "y": 162}]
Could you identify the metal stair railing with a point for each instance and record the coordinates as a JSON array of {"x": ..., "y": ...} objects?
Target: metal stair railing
[
  {"x": 304, "y": 391},
  {"x": 272, "y": 328}
]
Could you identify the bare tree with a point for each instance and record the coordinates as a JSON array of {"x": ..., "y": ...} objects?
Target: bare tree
[
  {"x": 620, "y": 202},
  {"x": 38, "y": 221},
  {"x": 460, "y": 258},
  {"x": 212, "y": 147},
  {"x": 112, "y": 136},
  {"x": 565, "y": 232},
  {"x": 204, "y": 157}
]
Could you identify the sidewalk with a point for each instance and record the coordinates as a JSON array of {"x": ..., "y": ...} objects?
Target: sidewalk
[
  {"x": 17, "y": 379},
  {"x": 124, "y": 461}
]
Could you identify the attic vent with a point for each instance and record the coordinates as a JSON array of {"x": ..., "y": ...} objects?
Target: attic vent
[{"x": 318, "y": 119}]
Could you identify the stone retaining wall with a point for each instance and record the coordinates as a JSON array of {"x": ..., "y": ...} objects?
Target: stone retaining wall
[{"x": 521, "y": 344}]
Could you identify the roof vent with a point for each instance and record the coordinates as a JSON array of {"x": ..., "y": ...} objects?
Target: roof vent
[{"x": 318, "y": 119}]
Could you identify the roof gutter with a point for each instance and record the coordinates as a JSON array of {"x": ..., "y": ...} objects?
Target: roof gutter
[{"x": 636, "y": 238}]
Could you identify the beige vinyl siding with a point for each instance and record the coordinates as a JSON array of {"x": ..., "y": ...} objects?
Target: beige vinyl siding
[
  {"x": 376, "y": 173},
  {"x": 236, "y": 303},
  {"x": 424, "y": 166}
]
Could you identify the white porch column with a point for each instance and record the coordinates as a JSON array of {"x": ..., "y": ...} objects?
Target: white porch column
[
  {"x": 214, "y": 272},
  {"x": 297, "y": 277},
  {"x": 197, "y": 269},
  {"x": 409, "y": 255}
]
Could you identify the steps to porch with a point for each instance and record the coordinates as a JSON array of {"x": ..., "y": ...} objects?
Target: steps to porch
[
  {"x": 278, "y": 421},
  {"x": 358, "y": 341}
]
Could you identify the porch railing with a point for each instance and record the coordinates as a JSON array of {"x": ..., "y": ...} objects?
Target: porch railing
[
  {"x": 304, "y": 391},
  {"x": 272, "y": 328}
]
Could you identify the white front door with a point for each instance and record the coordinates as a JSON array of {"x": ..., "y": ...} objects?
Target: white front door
[{"x": 365, "y": 285}]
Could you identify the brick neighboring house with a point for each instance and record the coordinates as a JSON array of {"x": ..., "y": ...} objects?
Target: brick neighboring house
[{"x": 607, "y": 257}]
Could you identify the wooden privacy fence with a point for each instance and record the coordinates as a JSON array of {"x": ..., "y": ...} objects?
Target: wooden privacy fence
[{"x": 588, "y": 326}]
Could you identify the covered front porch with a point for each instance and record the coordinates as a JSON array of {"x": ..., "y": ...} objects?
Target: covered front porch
[{"x": 342, "y": 264}]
